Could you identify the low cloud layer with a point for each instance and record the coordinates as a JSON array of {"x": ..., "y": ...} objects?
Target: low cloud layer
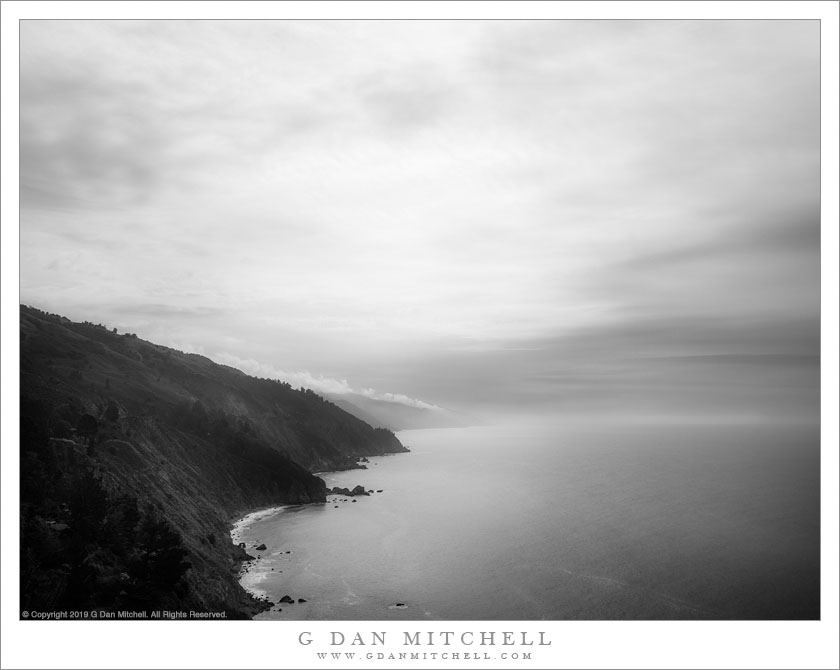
[{"x": 318, "y": 383}]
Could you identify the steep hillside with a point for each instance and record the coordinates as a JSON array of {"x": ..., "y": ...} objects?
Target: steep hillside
[
  {"x": 193, "y": 444},
  {"x": 395, "y": 415}
]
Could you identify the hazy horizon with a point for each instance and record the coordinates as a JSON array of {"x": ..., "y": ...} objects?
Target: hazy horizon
[{"x": 489, "y": 217}]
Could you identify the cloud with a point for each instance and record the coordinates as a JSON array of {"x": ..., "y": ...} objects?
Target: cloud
[
  {"x": 407, "y": 100},
  {"x": 396, "y": 398},
  {"x": 87, "y": 139},
  {"x": 449, "y": 209},
  {"x": 318, "y": 383},
  {"x": 159, "y": 310}
]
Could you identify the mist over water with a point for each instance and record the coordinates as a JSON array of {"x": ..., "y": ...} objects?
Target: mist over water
[{"x": 542, "y": 519}]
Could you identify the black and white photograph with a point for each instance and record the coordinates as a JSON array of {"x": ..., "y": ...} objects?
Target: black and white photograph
[{"x": 477, "y": 328}]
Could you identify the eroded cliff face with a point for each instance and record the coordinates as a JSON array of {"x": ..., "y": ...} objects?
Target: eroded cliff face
[{"x": 194, "y": 443}]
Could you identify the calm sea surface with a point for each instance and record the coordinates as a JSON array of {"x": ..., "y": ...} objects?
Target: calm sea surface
[{"x": 581, "y": 521}]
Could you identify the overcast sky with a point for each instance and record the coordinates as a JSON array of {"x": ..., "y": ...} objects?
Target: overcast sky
[{"x": 465, "y": 214}]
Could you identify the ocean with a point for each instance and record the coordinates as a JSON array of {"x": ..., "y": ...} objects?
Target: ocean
[{"x": 538, "y": 520}]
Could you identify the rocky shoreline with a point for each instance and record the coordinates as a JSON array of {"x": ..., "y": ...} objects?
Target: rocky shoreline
[
  {"x": 252, "y": 603},
  {"x": 258, "y": 603},
  {"x": 255, "y": 603}
]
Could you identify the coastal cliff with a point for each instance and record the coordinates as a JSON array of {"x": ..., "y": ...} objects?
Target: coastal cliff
[{"x": 135, "y": 457}]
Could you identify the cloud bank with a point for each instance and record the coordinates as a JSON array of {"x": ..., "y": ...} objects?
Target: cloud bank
[{"x": 317, "y": 383}]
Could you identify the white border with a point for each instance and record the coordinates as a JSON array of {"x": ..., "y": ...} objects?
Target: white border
[{"x": 575, "y": 644}]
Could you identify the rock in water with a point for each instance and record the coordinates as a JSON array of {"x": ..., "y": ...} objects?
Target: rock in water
[{"x": 262, "y": 547}]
